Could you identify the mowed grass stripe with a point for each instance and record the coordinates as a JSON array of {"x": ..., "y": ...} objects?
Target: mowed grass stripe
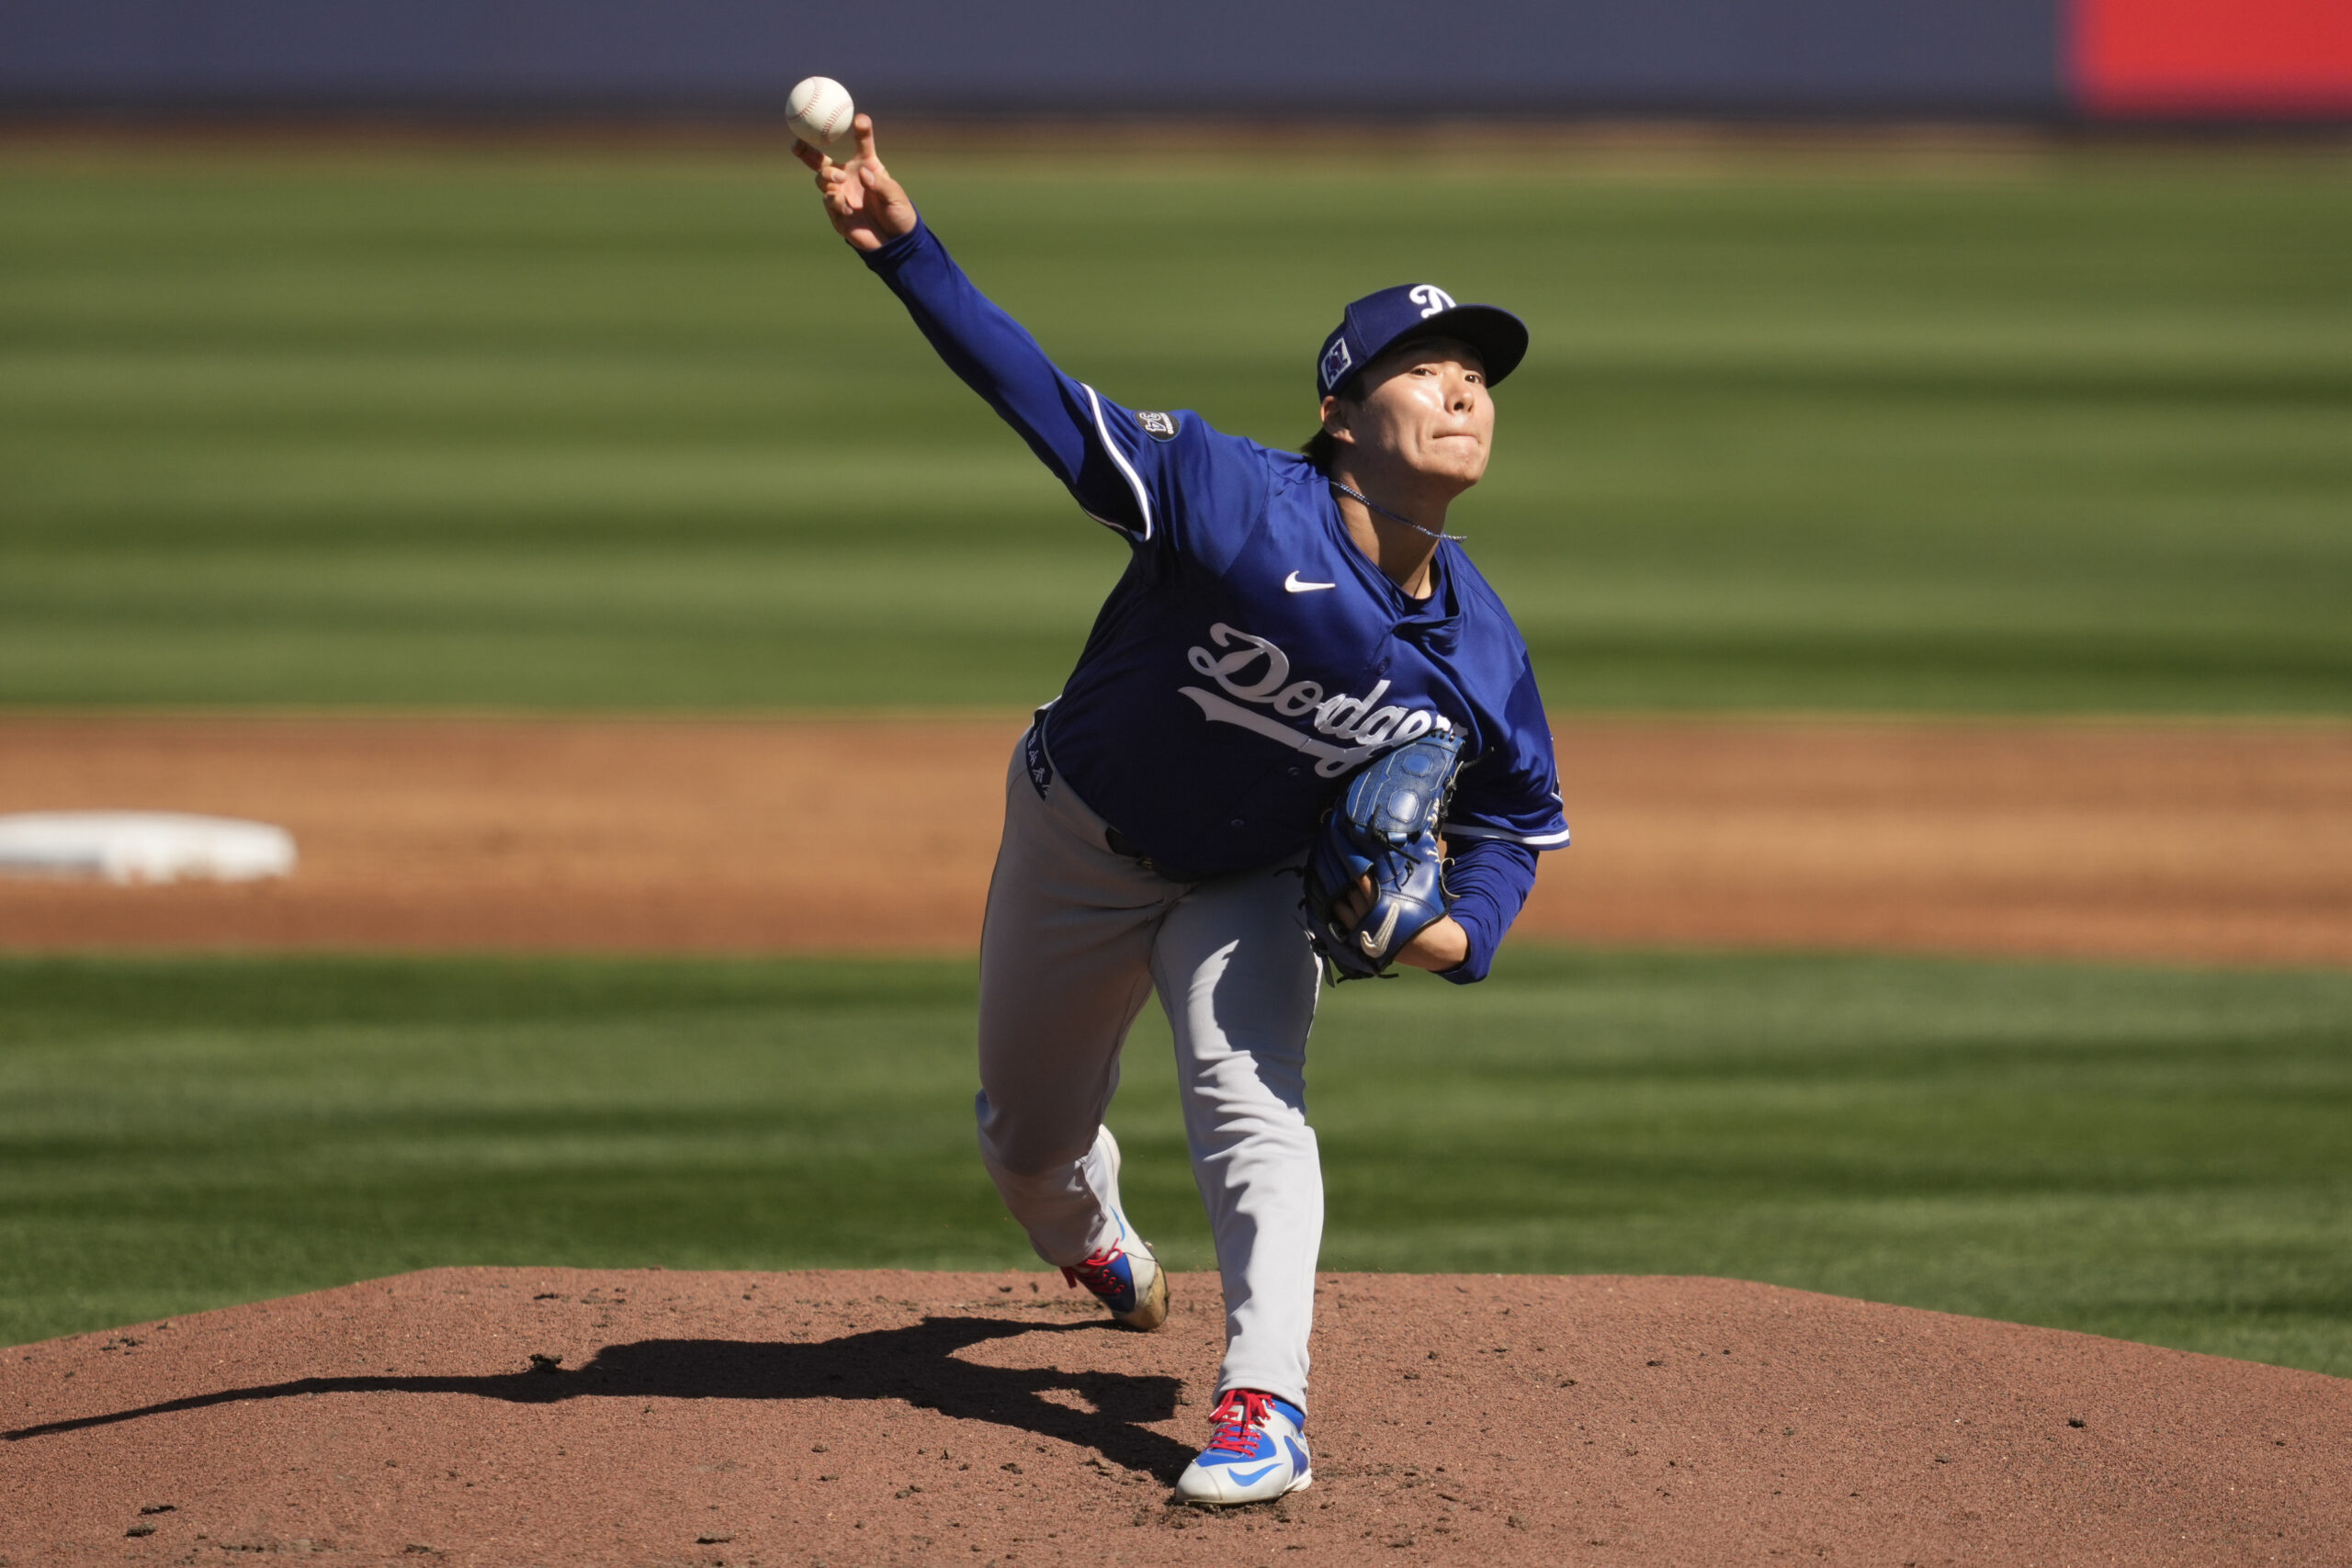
[
  {"x": 2148, "y": 1153},
  {"x": 2064, "y": 434}
]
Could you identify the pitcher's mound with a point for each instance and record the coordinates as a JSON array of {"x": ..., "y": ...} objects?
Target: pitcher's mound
[{"x": 518, "y": 1415}]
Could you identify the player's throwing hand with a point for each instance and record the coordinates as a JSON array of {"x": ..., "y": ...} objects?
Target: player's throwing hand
[{"x": 868, "y": 207}]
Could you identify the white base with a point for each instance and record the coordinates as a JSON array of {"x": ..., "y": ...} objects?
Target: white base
[{"x": 141, "y": 846}]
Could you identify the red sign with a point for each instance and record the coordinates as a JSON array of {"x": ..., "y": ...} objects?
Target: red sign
[{"x": 2212, "y": 58}]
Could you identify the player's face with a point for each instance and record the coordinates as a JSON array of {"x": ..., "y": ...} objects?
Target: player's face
[{"x": 1425, "y": 407}]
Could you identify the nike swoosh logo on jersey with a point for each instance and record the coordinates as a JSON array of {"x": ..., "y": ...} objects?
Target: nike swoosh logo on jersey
[
  {"x": 1294, "y": 585},
  {"x": 1376, "y": 942}
]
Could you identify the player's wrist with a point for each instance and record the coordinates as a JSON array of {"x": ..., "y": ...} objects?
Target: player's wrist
[
  {"x": 1442, "y": 944},
  {"x": 886, "y": 250}
]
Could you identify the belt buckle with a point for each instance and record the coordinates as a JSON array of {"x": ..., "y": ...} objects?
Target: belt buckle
[{"x": 1118, "y": 843}]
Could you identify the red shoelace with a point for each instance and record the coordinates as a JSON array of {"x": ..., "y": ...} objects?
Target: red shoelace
[
  {"x": 1237, "y": 1417},
  {"x": 1095, "y": 1272}
]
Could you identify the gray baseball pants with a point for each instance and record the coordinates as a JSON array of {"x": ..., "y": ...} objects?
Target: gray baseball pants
[{"x": 1077, "y": 937}]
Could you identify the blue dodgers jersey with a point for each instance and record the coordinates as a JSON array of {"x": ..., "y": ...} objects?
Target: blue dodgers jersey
[{"x": 1250, "y": 655}]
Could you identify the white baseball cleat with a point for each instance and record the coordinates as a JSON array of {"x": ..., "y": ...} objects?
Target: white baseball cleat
[
  {"x": 1259, "y": 1452},
  {"x": 1125, "y": 1276}
]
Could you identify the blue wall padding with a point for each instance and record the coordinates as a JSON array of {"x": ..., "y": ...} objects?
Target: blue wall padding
[{"x": 1978, "y": 57}]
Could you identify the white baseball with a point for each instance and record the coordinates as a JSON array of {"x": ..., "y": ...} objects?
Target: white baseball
[{"x": 818, "y": 112}]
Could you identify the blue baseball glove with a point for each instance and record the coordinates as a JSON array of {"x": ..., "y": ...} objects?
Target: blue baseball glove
[{"x": 1383, "y": 826}]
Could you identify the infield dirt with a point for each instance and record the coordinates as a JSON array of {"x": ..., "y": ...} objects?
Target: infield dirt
[
  {"x": 518, "y": 1415},
  {"x": 2215, "y": 841}
]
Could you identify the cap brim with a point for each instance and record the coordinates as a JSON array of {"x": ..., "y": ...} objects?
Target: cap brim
[{"x": 1500, "y": 337}]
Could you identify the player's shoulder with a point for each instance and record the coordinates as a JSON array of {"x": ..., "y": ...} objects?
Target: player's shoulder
[
  {"x": 1167, "y": 426},
  {"x": 1290, "y": 470},
  {"x": 1183, "y": 438},
  {"x": 1192, "y": 444}
]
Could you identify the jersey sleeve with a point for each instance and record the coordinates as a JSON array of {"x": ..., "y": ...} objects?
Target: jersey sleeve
[
  {"x": 1512, "y": 792},
  {"x": 1486, "y": 884},
  {"x": 1507, "y": 809},
  {"x": 1128, "y": 471}
]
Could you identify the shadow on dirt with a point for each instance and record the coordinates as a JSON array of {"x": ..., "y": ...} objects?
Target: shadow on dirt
[{"x": 917, "y": 1364}]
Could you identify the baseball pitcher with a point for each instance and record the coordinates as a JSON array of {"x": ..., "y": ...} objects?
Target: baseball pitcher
[{"x": 1303, "y": 737}]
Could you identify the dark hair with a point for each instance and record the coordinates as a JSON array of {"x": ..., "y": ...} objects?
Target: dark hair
[{"x": 1321, "y": 447}]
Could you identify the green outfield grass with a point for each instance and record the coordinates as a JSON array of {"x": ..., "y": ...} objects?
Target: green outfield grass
[
  {"x": 2064, "y": 432},
  {"x": 2156, "y": 1155}
]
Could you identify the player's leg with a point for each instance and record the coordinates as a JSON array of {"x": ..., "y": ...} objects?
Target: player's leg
[
  {"x": 1065, "y": 967},
  {"x": 1239, "y": 984}
]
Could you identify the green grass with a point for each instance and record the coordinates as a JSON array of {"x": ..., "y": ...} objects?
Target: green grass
[
  {"x": 2064, "y": 432},
  {"x": 2153, "y": 1154}
]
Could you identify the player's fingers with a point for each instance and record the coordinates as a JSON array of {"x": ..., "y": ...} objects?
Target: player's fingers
[
  {"x": 890, "y": 189},
  {"x": 886, "y": 190},
  {"x": 808, "y": 155},
  {"x": 863, "y": 126}
]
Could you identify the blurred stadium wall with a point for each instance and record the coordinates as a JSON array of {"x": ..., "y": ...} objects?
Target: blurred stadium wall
[{"x": 2032, "y": 60}]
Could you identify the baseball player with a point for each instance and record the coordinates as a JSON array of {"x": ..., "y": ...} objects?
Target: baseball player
[{"x": 1295, "y": 649}]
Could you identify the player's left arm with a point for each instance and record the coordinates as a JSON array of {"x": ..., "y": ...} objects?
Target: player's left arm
[
  {"x": 1444, "y": 943},
  {"x": 1486, "y": 884},
  {"x": 1506, "y": 810},
  {"x": 1504, "y": 813}
]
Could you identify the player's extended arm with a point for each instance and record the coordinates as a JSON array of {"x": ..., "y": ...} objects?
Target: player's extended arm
[{"x": 1063, "y": 423}]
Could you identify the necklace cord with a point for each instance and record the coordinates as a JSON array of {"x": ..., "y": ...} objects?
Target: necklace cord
[{"x": 1352, "y": 490}]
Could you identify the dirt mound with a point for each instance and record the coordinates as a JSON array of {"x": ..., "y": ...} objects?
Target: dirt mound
[
  {"x": 508, "y": 1415},
  {"x": 2214, "y": 841}
]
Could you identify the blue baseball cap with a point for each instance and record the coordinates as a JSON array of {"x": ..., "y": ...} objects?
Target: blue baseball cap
[{"x": 1377, "y": 322}]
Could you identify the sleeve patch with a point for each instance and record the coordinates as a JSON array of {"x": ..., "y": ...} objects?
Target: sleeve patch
[{"x": 1159, "y": 426}]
